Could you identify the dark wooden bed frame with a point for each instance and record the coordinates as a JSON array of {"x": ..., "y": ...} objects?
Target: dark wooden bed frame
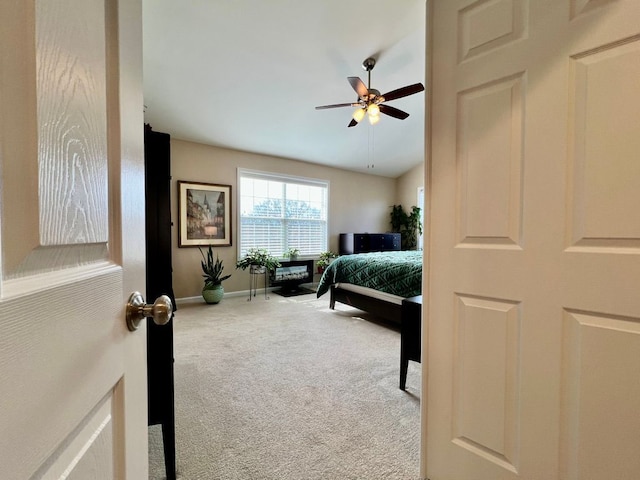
[
  {"x": 375, "y": 306},
  {"x": 410, "y": 328}
]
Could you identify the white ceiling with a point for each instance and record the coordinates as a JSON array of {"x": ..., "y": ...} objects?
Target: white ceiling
[{"x": 247, "y": 74}]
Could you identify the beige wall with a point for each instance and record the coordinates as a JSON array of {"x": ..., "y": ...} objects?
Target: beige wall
[
  {"x": 407, "y": 188},
  {"x": 357, "y": 202}
]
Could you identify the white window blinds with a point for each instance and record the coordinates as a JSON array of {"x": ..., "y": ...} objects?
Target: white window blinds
[{"x": 278, "y": 212}]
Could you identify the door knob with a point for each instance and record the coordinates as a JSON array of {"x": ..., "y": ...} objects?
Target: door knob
[{"x": 160, "y": 311}]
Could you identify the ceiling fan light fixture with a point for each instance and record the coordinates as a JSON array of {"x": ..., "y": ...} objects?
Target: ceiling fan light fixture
[
  {"x": 370, "y": 102},
  {"x": 373, "y": 110},
  {"x": 358, "y": 115}
]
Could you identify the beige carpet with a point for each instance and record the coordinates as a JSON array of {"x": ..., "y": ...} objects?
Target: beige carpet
[{"x": 286, "y": 388}]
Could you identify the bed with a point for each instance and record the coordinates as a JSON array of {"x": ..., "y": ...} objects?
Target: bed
[{"x": 374, "y": 282}]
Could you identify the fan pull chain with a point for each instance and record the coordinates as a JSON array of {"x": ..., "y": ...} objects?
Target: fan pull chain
[{"x": 371, "y": 147}]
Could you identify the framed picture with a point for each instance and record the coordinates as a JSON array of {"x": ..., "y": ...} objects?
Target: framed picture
[{"x": 205, "y": 214}]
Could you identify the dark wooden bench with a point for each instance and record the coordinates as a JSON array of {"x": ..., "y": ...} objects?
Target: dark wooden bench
[{"x": 410, "y": 335}]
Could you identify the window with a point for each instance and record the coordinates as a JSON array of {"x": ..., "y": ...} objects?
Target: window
[
  {"x": 278, "y": 212},
  {"x": 421, "y": 205}
]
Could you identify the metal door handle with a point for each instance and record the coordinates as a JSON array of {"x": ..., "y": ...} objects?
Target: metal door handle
[{"x": 160, "y": 311}]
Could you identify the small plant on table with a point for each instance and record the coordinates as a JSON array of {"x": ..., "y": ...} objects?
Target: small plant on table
[{"x": 291, "y": 254}]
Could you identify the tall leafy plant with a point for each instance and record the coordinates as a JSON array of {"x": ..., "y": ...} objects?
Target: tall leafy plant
[{"x": 408, "y": 225}]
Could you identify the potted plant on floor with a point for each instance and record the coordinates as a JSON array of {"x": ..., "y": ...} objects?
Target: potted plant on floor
[
  {"x": 324, "y": 259},
  {"x": 258, "y": 260},
  {"x": 407, "y": 224},
  {"x": 213, "y": 291}
]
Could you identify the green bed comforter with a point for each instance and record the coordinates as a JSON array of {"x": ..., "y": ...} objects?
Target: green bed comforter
[{"x": 397, "y": 273}]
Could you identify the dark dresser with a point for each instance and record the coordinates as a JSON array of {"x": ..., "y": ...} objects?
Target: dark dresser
[{"x": 368, "y": 242}]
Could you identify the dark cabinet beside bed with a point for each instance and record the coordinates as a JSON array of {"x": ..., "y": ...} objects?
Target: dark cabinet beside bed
[{"x": 368, "y": 242}]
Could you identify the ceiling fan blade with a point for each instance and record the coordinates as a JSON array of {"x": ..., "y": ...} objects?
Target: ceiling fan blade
[
  {"x": 352, "y": 123},
  {"x": 393, "y": 112},
  {"x": 403, "y": 92},
  {"x": 360, "y": 88},
  {"x": 337, "y": 105}
]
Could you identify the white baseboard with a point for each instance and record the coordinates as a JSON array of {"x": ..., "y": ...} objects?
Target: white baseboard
[{"x": 239, "y": 293}]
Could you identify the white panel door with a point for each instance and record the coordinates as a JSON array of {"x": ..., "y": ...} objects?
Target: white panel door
[
  {"x": 73, "y": 401},
  {"x": 533, "y": 313}
]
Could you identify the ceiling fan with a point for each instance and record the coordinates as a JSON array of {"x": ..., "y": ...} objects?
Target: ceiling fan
[{"x": 371, "y": 102}]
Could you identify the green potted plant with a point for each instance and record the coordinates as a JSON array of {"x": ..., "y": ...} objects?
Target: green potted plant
[
  {"x": 291, "y": 254},
  {"x": 257, "y": 260},
  {"x": 408, "y": 225},
  {"x": 213, "y": 291},
  {"x": 324, "y": 259}
]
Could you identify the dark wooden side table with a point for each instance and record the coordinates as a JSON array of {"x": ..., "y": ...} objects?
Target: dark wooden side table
[{"x": 410, "y": 335}]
